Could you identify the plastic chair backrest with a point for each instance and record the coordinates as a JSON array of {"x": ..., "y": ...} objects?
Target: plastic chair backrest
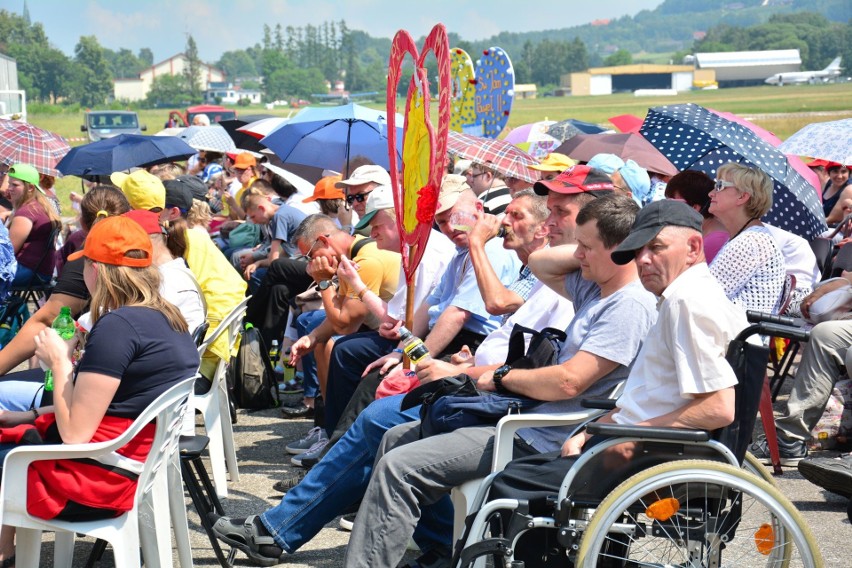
[
  {"x": 231, "y": 323},
  {"x": 199, "y": 333}
]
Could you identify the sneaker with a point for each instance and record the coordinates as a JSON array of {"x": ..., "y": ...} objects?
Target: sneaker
[
  {"x": 314, "y": 450},
  {"x": 347, "y": 522},
  {"x": 299, "y": 411},
  {"x": 289, "y": 482},
  {"x": 790, "y": 452},
  {"x": 291, "y": 387},
  {"x": 302, "y": 445},
  {"x": 832, "y": 474}
]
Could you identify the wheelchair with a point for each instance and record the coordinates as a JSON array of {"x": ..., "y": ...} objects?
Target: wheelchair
[{"x": 685, "y": 498}]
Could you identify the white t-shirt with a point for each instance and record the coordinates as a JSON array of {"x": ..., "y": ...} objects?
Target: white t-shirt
[
  {"x": 684, "y": 353},
  {"x": 799, "y": 257},
  {"x": 439, "y": 252},
  {"x": 178, "y": 286}
]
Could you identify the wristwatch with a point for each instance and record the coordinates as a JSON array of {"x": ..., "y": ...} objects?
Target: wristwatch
[
  {"x": 324, "y": 285},
  {"x": 499, "y": 373}
]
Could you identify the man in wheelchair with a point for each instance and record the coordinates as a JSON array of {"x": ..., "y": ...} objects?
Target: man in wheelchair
[{"x": 672, "y": 512}]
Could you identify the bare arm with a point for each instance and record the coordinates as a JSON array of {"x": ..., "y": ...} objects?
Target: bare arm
[
  {"x": 22, "y": 346},
  {"x": 707, "y": 411},
  {"x": 449, "y": 324},
  {"x": 19, "y": 230},
  {"x": 836, "y": 214},
  {"x": 551, "y": 265},
  {"x": 499, "y": 300}
]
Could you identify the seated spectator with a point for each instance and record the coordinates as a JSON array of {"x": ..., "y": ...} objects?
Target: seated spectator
[
  {"x": 210, "y": 164},
  {"x": 33, "y": 222},
  {"x": 70, "y": 290},
  {"x": 489, "y": 188},
  {"x": 799, "y": 262},
  {"x": 330, "y": 199},
  {"x": 552, "y": 165},
  {"x": 694, "y": 188},
  {"x": 750, "y": 266},
  {"x": 627, "y": 177},
  {"x": 245, "y": 171},
  {"x": 824, "y": 359},
  {"x": 357, "y": 187},
  {"x": 836, "y": 190},
  {"x": 282, "y": 220},
  {"x": 8, "y": 264},
  {"x": 113, "y": 383}
]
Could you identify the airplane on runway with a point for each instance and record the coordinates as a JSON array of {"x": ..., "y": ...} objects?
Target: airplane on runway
[{"x": 812, "y": 77}]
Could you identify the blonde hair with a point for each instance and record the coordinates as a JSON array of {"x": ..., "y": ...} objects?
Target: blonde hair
[
  {"x": 751, "y": 181},
  {"x": 119, "y": 286},
  {"x": 199, "y": 214},
  {"x": 31, "y": 193},
  {"x": 167, "y": 171}
]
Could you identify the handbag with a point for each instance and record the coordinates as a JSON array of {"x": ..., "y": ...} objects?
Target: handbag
[{"x": 454, "y": 402}]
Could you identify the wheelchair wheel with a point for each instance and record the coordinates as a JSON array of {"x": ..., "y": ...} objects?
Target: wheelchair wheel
[
  {"x": 695, "y": 513},
  {"x": 752, "y": 465}
]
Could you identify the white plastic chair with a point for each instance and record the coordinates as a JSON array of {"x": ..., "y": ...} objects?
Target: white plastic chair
[
  {"x": 215, "y": 409},
  {"x": 125, "y": 533}
]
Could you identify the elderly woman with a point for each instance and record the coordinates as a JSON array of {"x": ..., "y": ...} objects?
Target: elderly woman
[
  {"x": 31, "y": 227},
  {"x": 114, "y": 380},
  {"x": 750, "y": 266}
]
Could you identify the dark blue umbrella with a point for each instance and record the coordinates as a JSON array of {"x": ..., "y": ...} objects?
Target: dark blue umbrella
[
  {"x": 123, "y": 152},
  {"x": 692, "y": 137},
  {"x": 328, "y": 137}
]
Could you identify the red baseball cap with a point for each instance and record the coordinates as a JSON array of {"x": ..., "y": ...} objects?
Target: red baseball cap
[
  {"x": 148, "y": 220},
  {"x": 576, "y": 179}
]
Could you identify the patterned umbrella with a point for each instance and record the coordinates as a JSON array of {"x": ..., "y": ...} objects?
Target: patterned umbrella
[
  {"x": 500, "y": 155},
  {"x": 24, "y": 143},
  {"x": 693, "y": 137},
  {"x": 567, "y": 129},
  {"x": 627, "y": 146},
  {"x": 213, "y": 138},
  {"x": 533, "y": 138},
  {"x": 827, "y": 140}
]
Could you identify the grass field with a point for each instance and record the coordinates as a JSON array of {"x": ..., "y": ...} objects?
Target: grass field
[{"x": 762, "y": 105}]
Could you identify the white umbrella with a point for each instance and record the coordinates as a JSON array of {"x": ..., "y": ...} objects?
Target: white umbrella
[
  {"x": 211, "y": 138},
  {"x": 264, "y": 126},
  {"x": 827, "y": 140}
]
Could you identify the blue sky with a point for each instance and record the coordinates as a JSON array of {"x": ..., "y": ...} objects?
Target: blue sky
[{"x": 220, "y": 26}]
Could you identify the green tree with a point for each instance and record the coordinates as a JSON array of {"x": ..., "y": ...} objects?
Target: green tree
[
  {"x": 146, "y": 56},
  {"x": 192, "y": 71},
  {"x": 93, "y": 78},
  {"x": 167, "y": 90},
  {"x": 620, "y": 57},
  {"x": 237, "y": 64}
]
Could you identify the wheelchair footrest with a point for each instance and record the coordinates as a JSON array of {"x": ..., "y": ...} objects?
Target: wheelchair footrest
[{"x": 489, "y": 547}]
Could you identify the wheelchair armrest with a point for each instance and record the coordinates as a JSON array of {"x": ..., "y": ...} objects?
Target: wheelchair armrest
[
  {"x": 508, "y": 426},
  {"x": 648, "y": 432},
  {"x": 599, "y": 403}
]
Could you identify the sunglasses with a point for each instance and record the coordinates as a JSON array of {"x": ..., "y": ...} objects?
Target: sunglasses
[
  {"x": 360, "y": 198},
  {"x": 721, "y": 185}
]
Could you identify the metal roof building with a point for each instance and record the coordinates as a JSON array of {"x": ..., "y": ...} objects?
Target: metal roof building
[
  {"x": 606, "y": 80},
  {"x": 735, "y": 68}
]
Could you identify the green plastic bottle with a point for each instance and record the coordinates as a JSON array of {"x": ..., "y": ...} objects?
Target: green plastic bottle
[{"x": 65, "y": 327}]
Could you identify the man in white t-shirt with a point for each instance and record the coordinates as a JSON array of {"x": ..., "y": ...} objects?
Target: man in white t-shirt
[{"x": 681, "y": 378}]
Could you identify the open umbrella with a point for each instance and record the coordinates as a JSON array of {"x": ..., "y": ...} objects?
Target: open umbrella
[
  {"x": 500, "y": 155},
  {"x": 627, "y": 146},
  {"x": 242, "y": 140},
  {"x": 328, "y": 137},
  {"x": 626, "y": 122},
  {"x": 827, "y": 140},
  {"x": 571, "y": 127},
  {"x": 259, "y": 129},
  {"x": 27, "y": 144},
  {"x": 123, "y": 152},
  {"x": 211, "y": 138},
  {"x": 533, "y": 138},
  {"x": 693, "y": 137}
]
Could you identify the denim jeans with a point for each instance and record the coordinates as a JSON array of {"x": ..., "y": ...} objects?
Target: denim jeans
[
  {"x": 306, "y": 323},
  {"x": 25, "y": 276},
  {"x": 340, "y": 479}
]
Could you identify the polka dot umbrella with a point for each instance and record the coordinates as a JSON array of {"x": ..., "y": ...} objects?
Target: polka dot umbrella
[{"x": 692, "y": 137}]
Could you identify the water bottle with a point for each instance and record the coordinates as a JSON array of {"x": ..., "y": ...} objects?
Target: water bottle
[
  {"x": 413, "y": 346},
  {"x": 65, "y": 327},
  {"x": 274, "y": 352}
]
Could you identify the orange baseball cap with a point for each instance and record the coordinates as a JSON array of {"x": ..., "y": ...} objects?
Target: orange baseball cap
[
  {"x": 244, "y": 160},
  {"x": 110, "y": 239},
  {"x": 325, "y": 189}
]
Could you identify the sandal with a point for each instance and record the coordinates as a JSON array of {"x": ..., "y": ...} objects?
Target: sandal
[
  {"x": 8, "y": 562},
  {"x": 246, "y": 537}
]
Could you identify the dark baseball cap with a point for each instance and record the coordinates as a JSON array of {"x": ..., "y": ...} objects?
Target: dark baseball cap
[
  {"x": 650, "y": 221},
  {"x": 196, "y": 187},
  {"x": 178, "y": 195},
  {"x": 576, "y": 179}
]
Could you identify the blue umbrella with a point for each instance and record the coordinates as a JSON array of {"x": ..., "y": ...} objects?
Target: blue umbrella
[
  {"x": 692, "y": 137},
  {"x": 328, "y": 137},
  {"x": 567, "y": 129},
  {"x": 123, "y": 152}
]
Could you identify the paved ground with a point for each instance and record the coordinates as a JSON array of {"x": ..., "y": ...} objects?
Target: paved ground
[{"x": 261, "y": 437}]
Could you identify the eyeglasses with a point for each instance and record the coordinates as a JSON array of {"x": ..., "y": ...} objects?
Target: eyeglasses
[
  {"x": 721, "y": 185},
  {"x": 307, "y": 255},
  {"x": 360, "y": 198},
  {"x": 473, "y": 175}
]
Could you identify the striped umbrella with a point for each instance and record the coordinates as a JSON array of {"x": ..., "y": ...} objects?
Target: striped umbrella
[
  {"x": 499, "y": 155},
  {"x": 22, "y": 143}
]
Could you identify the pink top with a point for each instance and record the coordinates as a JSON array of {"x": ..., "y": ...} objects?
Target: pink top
[{"x": 713, "y": 243}]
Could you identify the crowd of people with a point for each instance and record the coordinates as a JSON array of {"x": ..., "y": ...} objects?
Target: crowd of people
[{"x": 648, "y": 276}]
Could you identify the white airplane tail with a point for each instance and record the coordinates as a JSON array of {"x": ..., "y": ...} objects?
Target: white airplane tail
[{"x": 834, "y": 65}]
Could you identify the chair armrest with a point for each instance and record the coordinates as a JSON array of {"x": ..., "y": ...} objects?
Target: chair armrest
[
  {"x": 648, "y": 432},
  {"x": 508, "y": 426},
  {"x": 599, "y": 403}
]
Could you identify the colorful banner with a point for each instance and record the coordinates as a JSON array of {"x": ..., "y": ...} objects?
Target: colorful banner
[
  {"x": 495, "y": 91},
  {"x": 463, "y": 107}
]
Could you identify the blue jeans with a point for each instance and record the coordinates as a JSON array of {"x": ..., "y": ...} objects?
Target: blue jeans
[
  {"x": 24, "y": 276},
  {"x": 306, "y": 323},
  {"x": 21, "y": 391},
  {"x": 340, "y": 479}
]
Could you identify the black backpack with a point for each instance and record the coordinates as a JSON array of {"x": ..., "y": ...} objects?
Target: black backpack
[{"x": 254, "y": 386}]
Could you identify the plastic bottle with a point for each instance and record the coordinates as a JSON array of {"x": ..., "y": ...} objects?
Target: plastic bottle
[
  {"x": 66, "y": 328},
  {"x": 413, "y": 346},
  {"x": 274, "y": 352}
]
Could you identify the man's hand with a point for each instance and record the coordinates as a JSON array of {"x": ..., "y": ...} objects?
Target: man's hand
[
  {"x": 347, "y": 271},
  {"x": 390, "y": 330},
  {"x": 321, "y": 268},
  {"x": 302, "y": 347},
  {"x": 805, "y": 306},
  {"x": 249, "y": 270},
  {"x": 485, "y": 381},
  {"x": 433, "y": 369},
  {"x": 384, "y": 364},
  {"x": 463, "y": 357},
  {"x": 485, "y": 229},
  {"x": 574, "y": 445}
]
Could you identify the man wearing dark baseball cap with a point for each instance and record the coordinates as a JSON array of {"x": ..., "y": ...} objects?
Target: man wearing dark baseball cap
[{"x": 650, "y": 221}]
